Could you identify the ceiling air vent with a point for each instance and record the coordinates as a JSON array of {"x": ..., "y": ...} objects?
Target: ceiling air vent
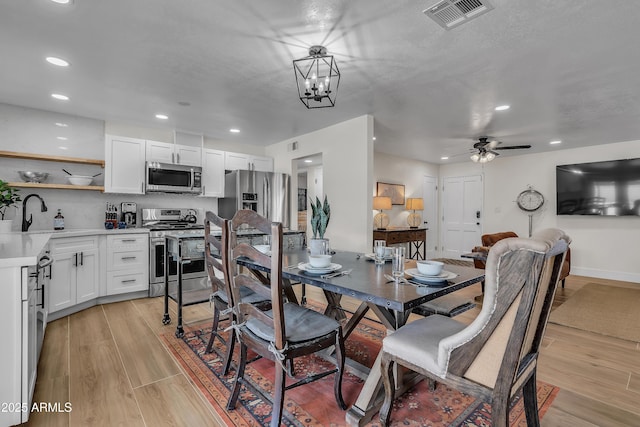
[{"x": 451, "y": 13}]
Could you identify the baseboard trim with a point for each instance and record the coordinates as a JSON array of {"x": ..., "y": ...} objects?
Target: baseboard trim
[{"x": 606, "y": 274}]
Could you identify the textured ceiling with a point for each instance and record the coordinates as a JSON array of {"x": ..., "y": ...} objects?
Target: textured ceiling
[{"x": 569, "y": 69}]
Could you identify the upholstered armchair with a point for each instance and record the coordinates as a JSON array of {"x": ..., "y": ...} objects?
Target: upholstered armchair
[
  {"x": 496, "y": 355},
  {"x": 489, "y": 240}
]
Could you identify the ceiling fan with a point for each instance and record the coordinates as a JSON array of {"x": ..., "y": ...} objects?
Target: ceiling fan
[{"x": 485, "y": 149}]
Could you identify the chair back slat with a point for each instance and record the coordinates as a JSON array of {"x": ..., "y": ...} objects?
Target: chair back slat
[
  {"x": 214, "y": 264},
  {"x": 249, "y": 219}
]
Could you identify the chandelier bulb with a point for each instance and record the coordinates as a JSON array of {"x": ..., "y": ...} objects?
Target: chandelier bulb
[{"x": 307, "y": 84}]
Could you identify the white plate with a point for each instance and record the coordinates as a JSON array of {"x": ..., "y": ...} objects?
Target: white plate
[
  {"x": 442, "y": 277},
  {"x": 307, "y": 268},
  {"x": 372, "y": 257}
]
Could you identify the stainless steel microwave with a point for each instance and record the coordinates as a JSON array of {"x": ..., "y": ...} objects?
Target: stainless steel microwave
[{"x": 170, "y": 178}]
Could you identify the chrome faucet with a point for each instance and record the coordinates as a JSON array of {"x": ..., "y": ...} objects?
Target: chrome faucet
[{"x": 26, "y": 224}]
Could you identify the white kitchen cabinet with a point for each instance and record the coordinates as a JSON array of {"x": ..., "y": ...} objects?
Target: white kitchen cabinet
[
  {"x": 212, "y": 173},
  {"x": 241, "y": 161},
  {"x": 173, "y": 153},
  {"x": 127, "y": 263},
  {"x": 124, "y": 165},
  {"x": 74, "y": 272}
]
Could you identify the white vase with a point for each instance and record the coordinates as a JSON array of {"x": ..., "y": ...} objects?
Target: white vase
[
  {"x": 319, "y": 246},
  {"x": 5, "y": 226}
]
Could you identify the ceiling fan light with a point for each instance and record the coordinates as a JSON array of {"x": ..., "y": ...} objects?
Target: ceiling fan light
[
  {"x": 483, "y": 158},
  {"x": 490, "y": 156},
  {"x": 475, "y": 157}
]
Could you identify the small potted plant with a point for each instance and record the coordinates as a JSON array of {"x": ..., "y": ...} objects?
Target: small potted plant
[
  {"x": 320, "y": 215},
  {"x": 8, "y": 197}
]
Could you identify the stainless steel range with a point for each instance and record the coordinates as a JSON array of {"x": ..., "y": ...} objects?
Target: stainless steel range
[{"x": 172, "y": 221}]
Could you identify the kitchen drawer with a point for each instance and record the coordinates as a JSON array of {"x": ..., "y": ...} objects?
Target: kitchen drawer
[
  {"x": 128, "y": 242},
  {"x": 121, "y": 282},
  {"x": 127, "y": 260},
  {"x": 74, "y": 244}
]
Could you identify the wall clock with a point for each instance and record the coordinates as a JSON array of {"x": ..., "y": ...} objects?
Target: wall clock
[{"x": 530, "y": 200}]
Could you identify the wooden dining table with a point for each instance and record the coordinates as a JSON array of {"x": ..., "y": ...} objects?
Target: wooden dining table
[{"x": 391, "y": 302}]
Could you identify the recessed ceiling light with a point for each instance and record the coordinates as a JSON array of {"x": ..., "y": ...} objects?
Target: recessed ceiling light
[
  {"x": 308, "y": 161},
  {"x": 62, "y": 125},
  {"x": 62, "y": 138},
  {"x": 162, "y": 116},
  {"x": 502, "y": 107},
  {"x": 555, "y": 142},
  {"x": 57, "y": 61},
  {"x": 63, "y": 148},
  {"x": 60, "y": 97},
  {"x": 62, "y": 1},
  {"x": 234, "y": 130},
  {"x": 444, "y": 158},
  {"x": 374, "y": 138}
]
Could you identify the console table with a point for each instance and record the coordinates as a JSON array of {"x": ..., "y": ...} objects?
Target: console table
[{"x": 415, "y": 237}]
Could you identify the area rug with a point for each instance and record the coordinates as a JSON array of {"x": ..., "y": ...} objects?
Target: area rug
[
  {"x": 314, "y": 404},
  {"x": 603, "y": 309}
]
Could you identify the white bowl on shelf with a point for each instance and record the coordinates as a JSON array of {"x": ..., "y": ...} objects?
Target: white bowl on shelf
[{"x": 80, "y": 179}]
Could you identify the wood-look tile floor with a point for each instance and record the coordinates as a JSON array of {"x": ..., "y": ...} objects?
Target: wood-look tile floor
[{"x": 110, "y": 364}]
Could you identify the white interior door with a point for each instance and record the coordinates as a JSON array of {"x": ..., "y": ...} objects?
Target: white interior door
[
  {"x": 430, "y": 214},
  {"x": 461, "y": 214}
]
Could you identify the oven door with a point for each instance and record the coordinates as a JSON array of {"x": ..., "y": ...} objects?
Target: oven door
[
  {"x": 169, "y": 178},
  {"x": 192, "y": 270}
]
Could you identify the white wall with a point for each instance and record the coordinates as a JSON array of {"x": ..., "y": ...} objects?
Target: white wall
[
  {"x": 399, "y": 170},
  {"x": 602, "y": 246},
  {"x": 347, "y": 160}
]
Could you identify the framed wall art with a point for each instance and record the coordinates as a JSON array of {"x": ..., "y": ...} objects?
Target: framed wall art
[{"x": 395, "y": 191}]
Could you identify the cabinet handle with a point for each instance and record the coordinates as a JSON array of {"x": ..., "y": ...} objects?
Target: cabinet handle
[
  {"x": 178, "y": 158},
  {"x": 173, "y": 158},
  {"x": 81, "y": 258},
  {"x": 128, "y": 257},
  {"x": 128, "y": 240},
  {"x": 128, "y": 281},
  {"x": 142, "y": 187},
  {"x": 75, "y": 262}
]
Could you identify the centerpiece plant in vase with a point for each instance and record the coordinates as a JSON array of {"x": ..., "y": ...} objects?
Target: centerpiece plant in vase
[
  {"x": 8, "y": 197},
  {"x": 320, "y": 215}
]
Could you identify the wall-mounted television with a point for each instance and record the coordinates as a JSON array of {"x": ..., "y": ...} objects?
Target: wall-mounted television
[{"x": 610, "y": 188}]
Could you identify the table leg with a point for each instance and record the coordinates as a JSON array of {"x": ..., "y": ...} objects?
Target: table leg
[{"x": 371, "y": 396}]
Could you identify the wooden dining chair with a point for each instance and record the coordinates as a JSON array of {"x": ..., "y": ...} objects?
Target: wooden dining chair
[
  {"x": 218, "y": 276},
  {"x": 496, "y": 355},
  {"x": 287, "y": 330}
]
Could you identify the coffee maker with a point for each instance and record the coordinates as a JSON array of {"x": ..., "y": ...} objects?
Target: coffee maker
[{"x": 129, "y": 214}]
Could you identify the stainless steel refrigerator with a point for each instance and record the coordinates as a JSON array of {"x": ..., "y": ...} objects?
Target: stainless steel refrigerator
[{"x": 264, "y": 192}]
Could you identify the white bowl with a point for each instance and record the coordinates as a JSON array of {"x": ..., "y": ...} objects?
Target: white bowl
[
  {"x": 430, "y": 268},
  {"x": 80, "y": 179},
  {"x": 320, "y": 261}
]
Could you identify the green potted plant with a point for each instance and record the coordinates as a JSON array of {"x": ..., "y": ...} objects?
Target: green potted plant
[
  {"x": 8, "y": 197},
  {"x": 320, "y": 215}
]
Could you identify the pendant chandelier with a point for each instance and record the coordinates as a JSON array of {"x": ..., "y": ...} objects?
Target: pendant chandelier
[{"x": 317, "y": 77}]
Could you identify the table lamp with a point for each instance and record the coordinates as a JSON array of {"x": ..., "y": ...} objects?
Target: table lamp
[
  {"x": 416, "y": 204},
  {"x": 381, "y": 220}
]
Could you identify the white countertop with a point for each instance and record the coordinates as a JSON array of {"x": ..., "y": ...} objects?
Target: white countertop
[{"x": 21, "y": 249}]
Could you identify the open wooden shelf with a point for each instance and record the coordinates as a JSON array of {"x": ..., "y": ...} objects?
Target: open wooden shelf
[
  {"x": 49, "y": 158},
  {"x": 56, "y": 186}
]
